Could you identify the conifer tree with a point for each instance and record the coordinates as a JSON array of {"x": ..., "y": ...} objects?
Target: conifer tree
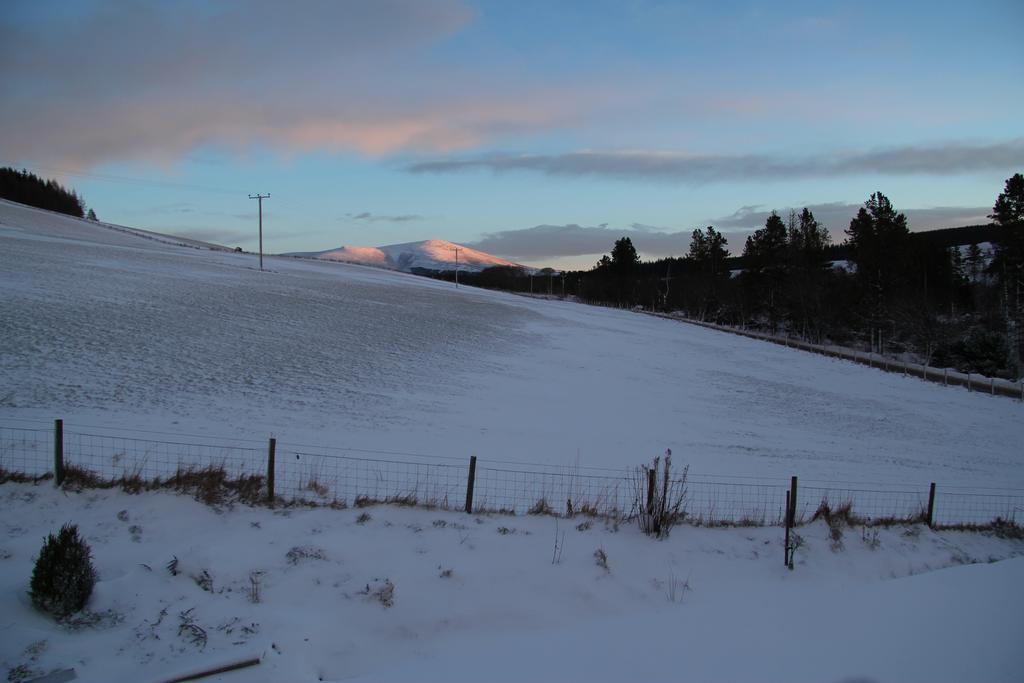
[
  {"x": 1008, "y": 264},
  {"x": 879, "y": 240}
]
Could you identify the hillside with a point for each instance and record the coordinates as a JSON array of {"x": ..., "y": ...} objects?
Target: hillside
[
  {"x": 428, "y": 255},
  {"x": 103, "y": 327},
  {"x": 163, "y": 345}
]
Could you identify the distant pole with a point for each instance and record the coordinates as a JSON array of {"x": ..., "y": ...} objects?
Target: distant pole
[
  {"x": 456, "y": 249},
  {"x": 261, "y": 197},
  {"x": 668, "y": 280}
]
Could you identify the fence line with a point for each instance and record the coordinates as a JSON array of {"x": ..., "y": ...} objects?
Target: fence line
[
  {"x": 347, "y": 477},
  {"x": 945, "y": 376}
]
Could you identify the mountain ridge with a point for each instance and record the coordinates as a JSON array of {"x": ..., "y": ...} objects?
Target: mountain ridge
[{"x": 431, "y": 254}]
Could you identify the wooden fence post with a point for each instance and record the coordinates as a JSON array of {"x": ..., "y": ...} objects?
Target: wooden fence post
[
  {"x": 271, "y": 456},
  {"x": 969, "y": 382},
  {"x": 792, "y": 501},
  {"x": 993, "y": 386},
  {"x": 931, "y": 505},
  {"x": 58, "y": 452},
  {"x": 785, "y": 555},
  {"x": 652, "y": 483},
  {"x": 470, "y": 483}
]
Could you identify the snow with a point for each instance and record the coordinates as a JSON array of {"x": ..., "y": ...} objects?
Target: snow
[
  {"x": 436, "y": 255},
  {"x": 909, "y": 605},
  {"x": 155, "y": 338},
  {"x": 106, "y": 330}
]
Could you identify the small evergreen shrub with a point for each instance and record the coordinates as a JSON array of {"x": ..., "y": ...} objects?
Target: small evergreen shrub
[{"x": 63, "y": 577}]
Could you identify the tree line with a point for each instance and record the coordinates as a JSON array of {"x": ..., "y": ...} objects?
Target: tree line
[
  {"x": 950, "y": 298},
  {"x": 28, "y": 188}
]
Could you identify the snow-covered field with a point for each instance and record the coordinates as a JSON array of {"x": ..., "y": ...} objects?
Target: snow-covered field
[
  {"x": 105, "y": 329},
  {"x": 113, "y": 332},
  {"x": 480, "y": 599}
]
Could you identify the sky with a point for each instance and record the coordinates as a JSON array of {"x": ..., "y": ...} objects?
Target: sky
[{"x": 537, "y": 131}]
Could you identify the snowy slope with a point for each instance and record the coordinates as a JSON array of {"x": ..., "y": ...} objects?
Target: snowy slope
[
  {"x": 428, "y": 255},
  {"x": 106, "y": 328},
  {"x": 50, "y": 224},
  {"x": 103, "y": 328}
]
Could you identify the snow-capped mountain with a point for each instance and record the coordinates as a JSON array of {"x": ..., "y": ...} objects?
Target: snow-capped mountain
[{"x": 427, "y": 255}]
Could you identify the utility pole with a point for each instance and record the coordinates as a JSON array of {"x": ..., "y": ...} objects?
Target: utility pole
[
  {"x": 456, "y": 250},
  {"x": 261, "y": 197},
  {"x": 667, "y": 279}
]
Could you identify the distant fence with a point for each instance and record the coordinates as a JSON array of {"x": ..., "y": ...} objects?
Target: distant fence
[
  {"x": 945, "y": 376},
  {"x": 343, "y": 476}
]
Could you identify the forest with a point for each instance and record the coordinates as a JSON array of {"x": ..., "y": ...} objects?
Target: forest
[
  {"x": 28, "y": 188},
  {"x": 948, "y": 298}
]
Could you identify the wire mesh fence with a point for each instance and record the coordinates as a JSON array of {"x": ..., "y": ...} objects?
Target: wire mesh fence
[
  {"x": 551, "y": 491},
  {"x": 1011, "y": 388},
  {"x": 712, "y": 502},
  {"x": 115, "y": 457},
  {"x": 349, "y": 477},
  {"x": 874, "y": 502},
  {"x": 27, "y": 452},
  {"x": 956, "y": 506},
  {"x": 349, "y": 480}
]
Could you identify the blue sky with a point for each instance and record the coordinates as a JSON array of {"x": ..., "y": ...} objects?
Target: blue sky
[{"x": 539, "y": 131}]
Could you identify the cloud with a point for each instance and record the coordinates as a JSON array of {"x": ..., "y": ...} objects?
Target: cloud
[
  {"x": 837, "y": 215},
  {"x": 545, "y": 242},
  {"x": 119, "y": 79},
  {"x": 946, "y": 217},
  {"x": 383, "y": 218},
  {"x": 939, "y": 159},
  {"x": 556, "y": 241},
  {"x": 112, "y": 46}
]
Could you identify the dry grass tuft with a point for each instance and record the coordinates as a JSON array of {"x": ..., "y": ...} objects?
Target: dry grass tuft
[
  {"x": 408, "y": 500},
  {"x": 19, "y": 478},
  {"x": 541, "y": 507}
]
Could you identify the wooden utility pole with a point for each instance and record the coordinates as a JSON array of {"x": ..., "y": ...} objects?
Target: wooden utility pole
[
  {"x": 261, "y": 197},
  {"x": 456, "y": 249},
  {"x": 667, "y": 279}
]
